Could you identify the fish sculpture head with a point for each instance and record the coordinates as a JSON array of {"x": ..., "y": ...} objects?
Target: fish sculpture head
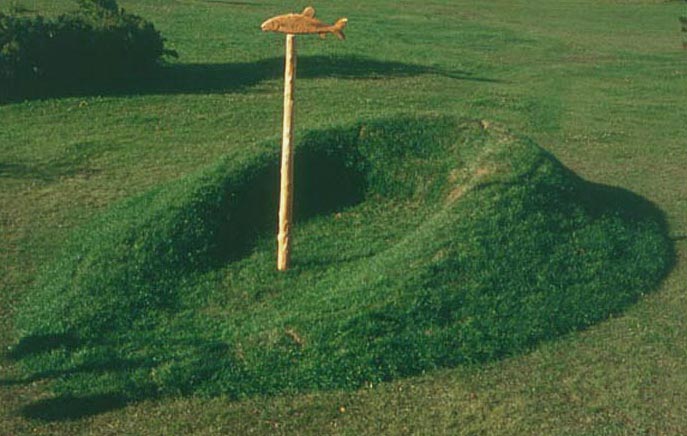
[{"x": 271, "y": 25}]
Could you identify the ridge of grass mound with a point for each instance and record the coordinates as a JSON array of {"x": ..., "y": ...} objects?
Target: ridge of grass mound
[{"x": 420, "y": 242}]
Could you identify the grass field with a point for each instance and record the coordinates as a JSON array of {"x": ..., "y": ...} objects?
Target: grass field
[{"x": 600, "y": 84}]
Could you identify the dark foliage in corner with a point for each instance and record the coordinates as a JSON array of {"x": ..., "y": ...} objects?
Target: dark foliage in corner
[{"x": 97, "y": 42}]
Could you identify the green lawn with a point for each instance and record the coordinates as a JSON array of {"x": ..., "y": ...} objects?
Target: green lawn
[{"x": 600, "y": 84}]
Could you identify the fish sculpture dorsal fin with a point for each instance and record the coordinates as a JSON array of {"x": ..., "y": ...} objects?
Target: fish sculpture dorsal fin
[{"x": 309, "y": 12}]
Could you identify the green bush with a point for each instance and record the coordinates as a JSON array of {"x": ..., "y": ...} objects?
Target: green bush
[{"x": 98, "y": 41}]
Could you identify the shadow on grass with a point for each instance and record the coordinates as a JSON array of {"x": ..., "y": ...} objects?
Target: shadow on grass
[
  {"x": 229, "y": 77},
  {"x": 99, "y": 367},
  {"x": 63, "y": 407},
  {"x": 66, "y": 407},
  {"x": 38, "y": 344},
  {"x": 43, "y": 172},
  {"x": 14, "y": 170},
  {"x": 635, "y": 210},
  {"x": 604, "y": 199},
  {"x": 74, "y": 160}
]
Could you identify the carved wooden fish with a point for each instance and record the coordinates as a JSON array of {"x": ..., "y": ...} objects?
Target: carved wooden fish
[{"x": 304, "y": 23}]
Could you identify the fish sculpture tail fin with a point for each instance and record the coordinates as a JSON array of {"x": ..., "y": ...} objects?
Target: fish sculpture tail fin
[{"x": 337, "y": 28}]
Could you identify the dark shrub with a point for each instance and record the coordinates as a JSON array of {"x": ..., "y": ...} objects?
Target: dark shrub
[{"x": 98, "y": 42}]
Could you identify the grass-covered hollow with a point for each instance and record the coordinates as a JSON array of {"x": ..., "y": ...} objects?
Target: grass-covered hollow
[{"x": 420, "y": 242}]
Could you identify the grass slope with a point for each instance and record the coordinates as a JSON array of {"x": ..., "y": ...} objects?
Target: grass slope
[
  {"x": 599, "y": 83},
  {"x": 422, "y": 243}
]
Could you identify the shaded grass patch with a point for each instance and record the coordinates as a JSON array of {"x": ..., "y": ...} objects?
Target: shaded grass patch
[
  {"x": 181, "y": 78},
  {"x": 69, "y": 408}
]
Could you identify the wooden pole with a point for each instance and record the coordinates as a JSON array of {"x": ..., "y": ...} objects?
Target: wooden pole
[
  {"x": 286, "y": 184},
  {"x": 292, "y": 24}
]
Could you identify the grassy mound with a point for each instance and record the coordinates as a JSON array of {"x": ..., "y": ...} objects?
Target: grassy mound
[{"x": 420, "y": 243}]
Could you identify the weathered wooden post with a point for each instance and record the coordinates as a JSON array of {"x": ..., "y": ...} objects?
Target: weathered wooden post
[
  {"x": 291, "y": 25},
  {"x": 286, "y": 182}
]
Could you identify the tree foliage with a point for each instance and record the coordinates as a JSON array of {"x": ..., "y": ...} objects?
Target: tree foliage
[{"x": 97, "y": 41}]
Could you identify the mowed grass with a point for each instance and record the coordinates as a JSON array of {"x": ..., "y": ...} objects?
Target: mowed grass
[
  {"x": 599, "y": 84},
  {"x": 421, "y": 243}
]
